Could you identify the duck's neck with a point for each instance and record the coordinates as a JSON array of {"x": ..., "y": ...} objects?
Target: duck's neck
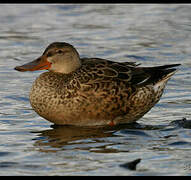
[{"x": 70, "y": 66}]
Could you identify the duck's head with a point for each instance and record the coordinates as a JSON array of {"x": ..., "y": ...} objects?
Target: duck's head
[{"x": 58, "y": 57}]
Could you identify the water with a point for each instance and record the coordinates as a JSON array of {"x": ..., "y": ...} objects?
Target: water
[{"x": 148, "y": 34}]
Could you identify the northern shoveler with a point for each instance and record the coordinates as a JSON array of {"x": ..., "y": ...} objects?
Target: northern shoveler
[{"x": 93, "y": 91}]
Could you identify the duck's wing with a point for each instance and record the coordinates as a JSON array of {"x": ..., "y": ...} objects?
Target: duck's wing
[
  {"x": 104, "y": 70},
  {"x": 142, "y": 76}
]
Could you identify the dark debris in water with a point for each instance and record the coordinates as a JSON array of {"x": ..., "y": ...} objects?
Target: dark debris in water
[
  {"x": 131, "y": 165},
  {"x": 184, "y": 123}
]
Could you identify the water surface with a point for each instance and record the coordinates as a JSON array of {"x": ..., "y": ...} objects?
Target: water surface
[{"x": 148, "y": 34}]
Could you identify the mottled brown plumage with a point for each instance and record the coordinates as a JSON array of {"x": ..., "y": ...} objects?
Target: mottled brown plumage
[{"x": 93, "y": 91}]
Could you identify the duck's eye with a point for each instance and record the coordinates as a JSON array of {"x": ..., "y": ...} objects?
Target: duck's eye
[{"x": 59, "y": 51}]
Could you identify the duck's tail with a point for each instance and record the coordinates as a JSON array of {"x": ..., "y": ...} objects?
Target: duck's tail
[
  {"x": 159, "y": 75},
  {"x": 162, "y": 73},
  {"x": 153, "y": 75}
]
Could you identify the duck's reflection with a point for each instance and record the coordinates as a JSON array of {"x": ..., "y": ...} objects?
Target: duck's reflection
[
  {"x": 61, "y": 137},
  {"x": 73, "y": 137}
]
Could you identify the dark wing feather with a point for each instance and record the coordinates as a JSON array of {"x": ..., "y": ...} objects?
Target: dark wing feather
[
  {"x": 108, "y": 69},
  {"x": 127, "y": 71},
  {"x": 150, "y": 75}
]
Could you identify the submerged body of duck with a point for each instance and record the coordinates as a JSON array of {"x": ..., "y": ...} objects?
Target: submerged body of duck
[{"x": 93, "y": 91}]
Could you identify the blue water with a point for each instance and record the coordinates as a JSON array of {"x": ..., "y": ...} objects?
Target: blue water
[{"x": 150, "y": 34}]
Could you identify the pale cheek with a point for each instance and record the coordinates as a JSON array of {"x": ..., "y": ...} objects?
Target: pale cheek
[{"x": 56, "y": 68}]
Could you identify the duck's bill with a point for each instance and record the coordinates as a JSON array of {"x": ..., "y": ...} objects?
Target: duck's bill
[{"x": 39, "y": 64}]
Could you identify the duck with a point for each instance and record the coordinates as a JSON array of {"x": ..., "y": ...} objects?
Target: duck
[{"x": 93, "y": 91}]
